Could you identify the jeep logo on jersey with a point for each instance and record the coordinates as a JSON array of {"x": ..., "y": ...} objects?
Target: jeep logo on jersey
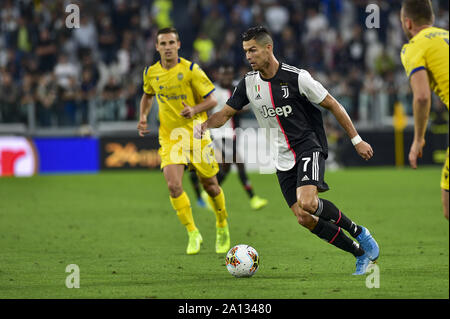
[{"x": 277, "y": 111}]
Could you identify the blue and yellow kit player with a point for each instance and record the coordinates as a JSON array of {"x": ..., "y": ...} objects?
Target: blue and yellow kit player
[
  {"x": 426, "y": 61},
  {"x": 184, "y": 93}
]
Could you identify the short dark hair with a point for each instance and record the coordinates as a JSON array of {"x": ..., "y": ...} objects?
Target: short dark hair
[
  {"x": 419, "y": 11},
  {"x": 259, "y": 33},
  {"x": 168, "y": 30}
]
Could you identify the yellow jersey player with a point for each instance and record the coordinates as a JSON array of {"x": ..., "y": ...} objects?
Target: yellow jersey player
[
  {"x": 184, "y": 94},
  {"x": 425, "y": 59}
]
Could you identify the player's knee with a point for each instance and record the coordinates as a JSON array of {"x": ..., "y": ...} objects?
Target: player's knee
[
  {"x": 175, "y": 189},
  {"x": 211, "y": 187},
  {"x": 308, "y": 204}
]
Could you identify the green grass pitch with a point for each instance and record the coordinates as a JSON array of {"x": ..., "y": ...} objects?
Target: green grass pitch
[{"x": 121, "y": 231}]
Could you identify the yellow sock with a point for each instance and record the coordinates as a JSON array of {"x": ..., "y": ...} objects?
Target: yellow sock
[
  {"x": 218, "y": 204},
  {"x": 182, "y": 205}
]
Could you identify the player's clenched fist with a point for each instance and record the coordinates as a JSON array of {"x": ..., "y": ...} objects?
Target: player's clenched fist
[
  {"x": 364, "y": 150},
  {"x": 188, "y": 111},
  {"x": 142, "y": 128}
]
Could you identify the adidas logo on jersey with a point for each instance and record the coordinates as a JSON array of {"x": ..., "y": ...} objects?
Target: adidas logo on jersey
[
  {"x": 305, "y": 178},
  {"x": 277, "y": 111}
]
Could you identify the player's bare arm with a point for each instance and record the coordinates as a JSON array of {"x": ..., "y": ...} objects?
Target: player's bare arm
[
  {"x": 208, "y": 103},
  {"x": 145, "y": 107},
  {"x": 216, "y": 120},
  {"x": 421, "y": 108},
  {"x": 364, "y": 149}
]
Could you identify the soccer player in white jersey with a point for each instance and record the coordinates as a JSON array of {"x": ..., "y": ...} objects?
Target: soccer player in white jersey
[{"x": 284, "y": 98}]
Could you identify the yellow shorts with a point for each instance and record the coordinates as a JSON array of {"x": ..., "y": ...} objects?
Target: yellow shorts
[
  {"x": 199, "y": 157},
  {"x": 444, "y": 174}
]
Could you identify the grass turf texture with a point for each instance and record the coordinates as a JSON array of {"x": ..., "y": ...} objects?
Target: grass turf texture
[{"x": 121, "y": 231}]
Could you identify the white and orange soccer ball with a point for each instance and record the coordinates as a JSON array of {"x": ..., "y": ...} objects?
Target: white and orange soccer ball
[{"x": 242, "y": 261}]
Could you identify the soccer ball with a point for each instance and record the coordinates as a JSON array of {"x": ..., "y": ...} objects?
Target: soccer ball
[{"x": 242, "y": 261}]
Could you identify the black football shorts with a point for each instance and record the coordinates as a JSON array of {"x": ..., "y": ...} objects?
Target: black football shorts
[{"x": 308, "y": 170}]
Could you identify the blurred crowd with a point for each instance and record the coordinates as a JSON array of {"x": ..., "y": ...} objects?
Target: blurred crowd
[{"x": 74, "y": 76}]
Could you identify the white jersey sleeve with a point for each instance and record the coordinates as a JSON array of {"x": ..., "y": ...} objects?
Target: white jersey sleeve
[{"x": 310, "y": 88}]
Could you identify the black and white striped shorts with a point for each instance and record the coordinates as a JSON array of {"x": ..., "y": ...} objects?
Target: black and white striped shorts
[{"x": 308, "y": 170}]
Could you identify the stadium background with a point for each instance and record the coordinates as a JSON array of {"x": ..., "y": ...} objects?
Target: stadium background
[
  {"x": 69, "y": 104},
  {"x": 87, "y": 82}
]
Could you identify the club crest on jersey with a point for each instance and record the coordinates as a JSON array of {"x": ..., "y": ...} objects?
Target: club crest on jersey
[
  {"x": 258, "y": 90},
  {"x": 285, "y": 111},
  {"x": 180, "y": 76},
  {"x": 285, "y": 90}
]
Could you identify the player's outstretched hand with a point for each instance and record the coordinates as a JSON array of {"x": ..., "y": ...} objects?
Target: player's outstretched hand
[
  {"x": 415, "y": 152},
  {"x": 142, "y": 128},
  {"x": 364, "y": 150},
  {"x": 199, "y": 130},
  {"x": 188, "y": 111}
]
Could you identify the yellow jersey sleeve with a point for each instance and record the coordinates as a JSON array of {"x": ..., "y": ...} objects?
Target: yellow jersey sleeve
[
  {"x": 413, "y": 58},
  {"x": 200, "y": 82},
  {"x": 147, "y": 86},
  {"x": 429, "y": 50}
]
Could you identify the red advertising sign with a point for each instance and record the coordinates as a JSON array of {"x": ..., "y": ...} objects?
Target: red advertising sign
[{"x": 17, "y": 156}]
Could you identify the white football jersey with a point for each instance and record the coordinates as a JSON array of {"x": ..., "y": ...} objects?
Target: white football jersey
[{"x": 284, "y": 104}]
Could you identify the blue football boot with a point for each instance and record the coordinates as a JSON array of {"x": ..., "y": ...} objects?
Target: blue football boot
[
  {"x": 362, "y": 262},
  {"x": 369, "y": 244}
]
